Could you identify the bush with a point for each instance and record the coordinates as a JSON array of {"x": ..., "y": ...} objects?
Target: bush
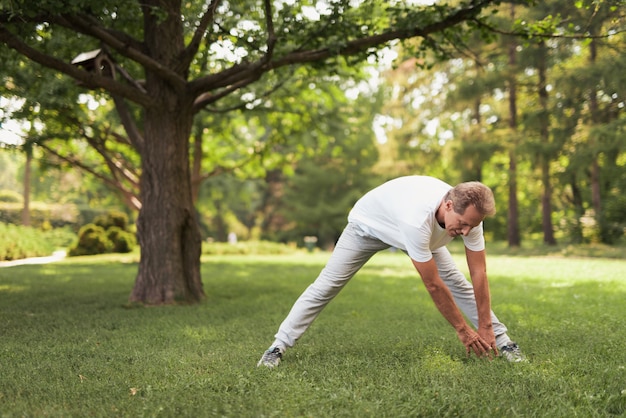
[
  {"x": 61, "y": 237},
  {"x": 112, "y": 219},
  {"x": 92, "y": 239},
  {"x": 108, "y": 233},
  {"x": 123, "y": 241},
  {"x": 21, "y": 242}
]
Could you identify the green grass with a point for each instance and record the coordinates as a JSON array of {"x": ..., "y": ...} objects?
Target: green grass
[{"x": 70, "y": 348}]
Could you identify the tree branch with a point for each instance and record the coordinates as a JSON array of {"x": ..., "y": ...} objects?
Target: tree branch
[
  {"x": 90, "y": 80},
  {"x": 91, "y": 27},
  {"x": 116, "y": 168},
  {"x": 271, "y": 34},
  {"x": 207, "y": 98},
  {"x": 128, "y": 195},
  {"x": 134, "y": 135},
  {"x": 191, "y": 50},
  {"x": 244, "y": 74},
  {"x": 527, "y": 35}
]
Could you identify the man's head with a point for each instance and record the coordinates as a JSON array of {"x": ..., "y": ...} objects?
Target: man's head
[
  {"x": 464, "y": 207},
  {"x": 472, "y": 193}
]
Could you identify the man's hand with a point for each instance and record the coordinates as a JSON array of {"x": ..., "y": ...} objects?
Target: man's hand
[
  {"x": 486, "y": 333},
  {"x": 481, "y": 344},
  {"x": 473, "y": 342}
]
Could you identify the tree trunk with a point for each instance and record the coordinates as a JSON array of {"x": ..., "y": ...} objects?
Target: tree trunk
[
  {"x": 196, "y": 165},
  {"x": 596, "y": 195},
  {"x": 26, "y": 194},
  {"x": 475, "y": 165},
  {"x": 576, "y": 232},
  {"x": 546, "y": 203},
  {"x": 546, "y": 198},
  {"x": 513, "y": 235},
  {"x": 167, "y": 227}
]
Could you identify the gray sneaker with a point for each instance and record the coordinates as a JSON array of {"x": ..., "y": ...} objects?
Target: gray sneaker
[
  {"x": 271, "y": 358},
  {"x": 512, "y": 353}
]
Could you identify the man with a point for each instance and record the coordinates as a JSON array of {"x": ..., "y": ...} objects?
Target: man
[{"x": 418, "y": 215}]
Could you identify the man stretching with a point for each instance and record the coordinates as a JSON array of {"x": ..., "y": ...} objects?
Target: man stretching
[{"x": 418, "y": 215}]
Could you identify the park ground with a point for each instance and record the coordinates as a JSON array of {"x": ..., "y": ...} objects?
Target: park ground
[{"x": 73, "y": 347}]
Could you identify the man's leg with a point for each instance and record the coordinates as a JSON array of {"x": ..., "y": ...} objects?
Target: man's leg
[
  {"x": 352, "y": 251},
  {"x": 463, "y": 293}
]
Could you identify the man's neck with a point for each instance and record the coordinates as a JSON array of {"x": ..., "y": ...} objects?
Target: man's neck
[{"x": 440, "y": 214}]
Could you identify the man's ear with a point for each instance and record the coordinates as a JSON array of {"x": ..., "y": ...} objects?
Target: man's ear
[{"x": 449, "y": 205}]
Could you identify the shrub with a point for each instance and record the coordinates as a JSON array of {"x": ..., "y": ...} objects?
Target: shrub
[
  {"x": 61, "y": 237},
  {"x": 112, "y": 219},
  {"x": 21, "y": 242},
  {"x": 123, "y": 241},
  {"x": 92, "y": 239},
  {"x": 108, "y": 233}
]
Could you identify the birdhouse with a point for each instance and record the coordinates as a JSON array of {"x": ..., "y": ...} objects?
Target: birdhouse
[{"x": 96, "y": 61}]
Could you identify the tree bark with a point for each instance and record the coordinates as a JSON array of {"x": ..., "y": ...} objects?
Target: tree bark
[
  {"x": 26, "y": 194},
  {"x": 167, "y": 227},
  {"x": 513, "y": 235},
  {"x": 596, "y": 194},
  {"x": 576, "y": 232},
  {"x": 546, "y": 198}
]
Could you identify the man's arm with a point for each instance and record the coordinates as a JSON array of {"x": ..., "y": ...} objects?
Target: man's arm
[
  {"x": 476, "y": 262},
  {"x": 442, "y": 297}
]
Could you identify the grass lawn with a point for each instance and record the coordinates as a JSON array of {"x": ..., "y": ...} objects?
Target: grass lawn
[{"x": 70, "y": 348}]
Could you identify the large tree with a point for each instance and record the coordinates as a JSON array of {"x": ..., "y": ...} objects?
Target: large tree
[{"x": 163, "y": 61}]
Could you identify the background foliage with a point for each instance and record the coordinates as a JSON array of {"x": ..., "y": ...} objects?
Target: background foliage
[{"x": 504, "y": 104}]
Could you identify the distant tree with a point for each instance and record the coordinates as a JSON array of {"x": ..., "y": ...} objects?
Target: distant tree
[
  {"x": 27, "y": 183},
  {"x": 548, "y": 147},
  {"x": 502, "y": 112},
  {"x": 513, "y": 235},
  {"x": 606, "y": 126}
]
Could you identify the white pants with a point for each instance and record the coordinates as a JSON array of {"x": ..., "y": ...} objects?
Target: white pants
[{"x": 354, "y": 248}]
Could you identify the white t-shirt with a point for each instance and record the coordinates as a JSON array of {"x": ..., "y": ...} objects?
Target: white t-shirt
[{"x": 401, "y": 213}]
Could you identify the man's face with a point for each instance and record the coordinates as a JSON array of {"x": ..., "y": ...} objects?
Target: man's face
[{"x": 457, "y": 224}]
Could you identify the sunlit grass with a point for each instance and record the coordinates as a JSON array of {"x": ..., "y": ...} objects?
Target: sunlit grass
[{"x": 70, "y": 348}]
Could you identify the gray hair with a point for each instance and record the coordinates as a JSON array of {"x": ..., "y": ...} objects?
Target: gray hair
[{"x": 472, "y": 193}]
